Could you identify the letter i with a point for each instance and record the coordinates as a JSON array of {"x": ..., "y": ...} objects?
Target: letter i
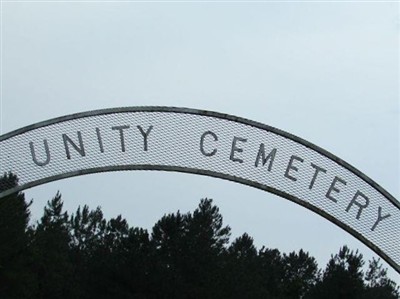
[{"x": 99, "y": 140}]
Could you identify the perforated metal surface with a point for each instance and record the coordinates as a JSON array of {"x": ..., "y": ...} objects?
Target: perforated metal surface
[{"x": 208, "y": 143}]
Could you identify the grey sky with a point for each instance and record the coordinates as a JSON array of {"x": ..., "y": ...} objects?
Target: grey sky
[{"x": 326, "y": 72}]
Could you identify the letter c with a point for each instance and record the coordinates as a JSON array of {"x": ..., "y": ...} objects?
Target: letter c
[{"x": 214, "y": 151}]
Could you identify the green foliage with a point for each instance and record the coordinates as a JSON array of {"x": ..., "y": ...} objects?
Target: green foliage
[
  {"x": 86, "y": 229},
  {"x": 301, "y": 274},
  {"x": 344, "y": 278},
  {"x": 379, "y": 286},
  {"x": 15, "y": 251},
  {"x": 52, "y": 255},
  {"x": 243, "y": 265},
  {"x": 83, "y": 255}
]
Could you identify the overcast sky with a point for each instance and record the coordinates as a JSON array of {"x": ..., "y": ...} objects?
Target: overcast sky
[{"x": 326, "y": 72}]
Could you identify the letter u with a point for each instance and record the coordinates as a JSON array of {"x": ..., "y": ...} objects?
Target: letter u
[{"x": 46, "y": 148}]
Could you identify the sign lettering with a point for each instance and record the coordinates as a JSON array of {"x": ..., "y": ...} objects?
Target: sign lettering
[{"x": 207, "y": 143}]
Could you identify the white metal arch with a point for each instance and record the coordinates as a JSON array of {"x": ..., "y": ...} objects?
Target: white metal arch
[{"x": 212, "y": 144}]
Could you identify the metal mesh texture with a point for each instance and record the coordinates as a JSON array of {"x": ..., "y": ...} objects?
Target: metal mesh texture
[{"x": 113, "y": 141}]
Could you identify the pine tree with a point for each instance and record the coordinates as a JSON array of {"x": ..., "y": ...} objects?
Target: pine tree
[
  {"x": 206, "y": 240},
  {"x": 171, "y": 256},
  {"x": 272, "y": 271},
  {"x": 53, "y": 263},
  {"x": 242, "y": 273},
  {"x": 379, "y": 286},
  {"x": 87, "y": 229},
  {"x": 16, "y": 279},
  {"x": 300, "y": 274},
  {"x": 342, "y": 278}
]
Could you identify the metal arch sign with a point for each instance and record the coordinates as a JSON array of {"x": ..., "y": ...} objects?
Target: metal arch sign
[{"x": 207, "y": 143}]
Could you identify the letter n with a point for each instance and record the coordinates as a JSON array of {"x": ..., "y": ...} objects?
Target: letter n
[{"x": 80, "y": 149}]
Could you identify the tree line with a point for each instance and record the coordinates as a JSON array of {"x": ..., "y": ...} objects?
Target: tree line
[{"x": 189, "y": 255}]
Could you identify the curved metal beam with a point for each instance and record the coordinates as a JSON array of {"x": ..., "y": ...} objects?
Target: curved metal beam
[{"x": 212, "y": 144}]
